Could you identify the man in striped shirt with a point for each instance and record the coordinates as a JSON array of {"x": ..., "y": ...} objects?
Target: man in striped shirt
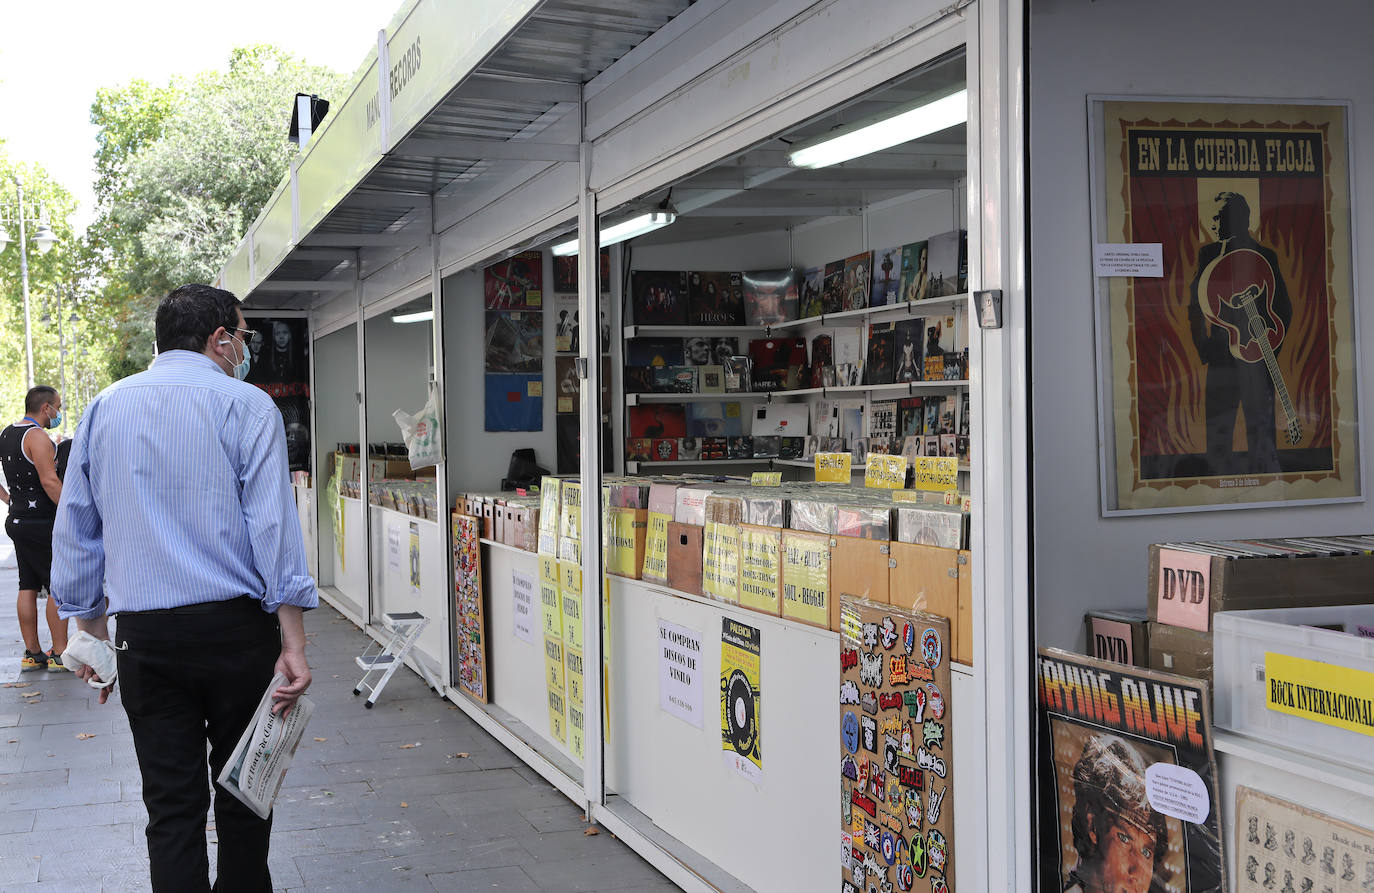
[{"x": 177, "y": 509}]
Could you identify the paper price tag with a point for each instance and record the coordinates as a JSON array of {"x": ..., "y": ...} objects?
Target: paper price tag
[
  {"x": 885, "y": 472},
  {"x": 833, "y": 468},
  {"x": 937, "y": 473},
  {"x": 766, "y": 479}
]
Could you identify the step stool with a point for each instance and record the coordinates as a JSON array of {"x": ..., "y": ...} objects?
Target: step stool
[{"x": 405, "y": 629}]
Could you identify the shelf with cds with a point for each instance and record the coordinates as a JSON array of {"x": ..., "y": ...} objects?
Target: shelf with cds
[
  {"x": 881, "y": 313},
  {"x": 854, "y": 469},
  {"x": 637, "y": 331}
]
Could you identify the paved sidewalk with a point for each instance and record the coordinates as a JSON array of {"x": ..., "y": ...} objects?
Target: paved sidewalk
[{"x": 410, "y": 795}]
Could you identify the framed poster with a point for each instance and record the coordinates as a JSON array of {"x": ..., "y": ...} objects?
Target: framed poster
[
  {"x": 1284, "y": 846},
  {"x": 1225, "y": 311}
]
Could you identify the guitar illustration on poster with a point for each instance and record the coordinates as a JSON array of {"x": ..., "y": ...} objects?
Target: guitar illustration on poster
[{"x": 1238, "y": 292}]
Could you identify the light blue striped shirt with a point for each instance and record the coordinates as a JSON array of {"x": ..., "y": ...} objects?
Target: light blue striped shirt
[{"x": 176, "y": 493}]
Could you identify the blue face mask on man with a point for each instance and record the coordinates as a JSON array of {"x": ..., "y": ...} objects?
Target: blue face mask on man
[
  {"x": 55, "y": 420},
  {"x": 240, "y": 368}
]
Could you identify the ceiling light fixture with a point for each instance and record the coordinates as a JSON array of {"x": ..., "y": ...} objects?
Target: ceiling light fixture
[
  {"x": 422, "y": 316},
  {"x": 930, "y": 116},
  {"x": 628, "y": 229}
]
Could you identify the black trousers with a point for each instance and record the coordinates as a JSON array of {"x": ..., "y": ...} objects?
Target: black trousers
[{"x": 190, "y": 675}]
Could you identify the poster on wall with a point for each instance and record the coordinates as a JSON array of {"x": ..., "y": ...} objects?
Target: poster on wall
[
  {"x": 1283, "y": 846},
  {"x": 680, "y": 689},
  {"x": 415, "y": 559},
  {"x": 279, "y": 351},
  {"x": 896, "y": 750},
  {"x": 516, "y": 283},
  {"x": 514, "y": 402},
  {"x": 1225, "y": 312},
  {"x": 741, "y": 698},
  {"x": 514, "y": 341},
  {"x": 1128, "y": 797},
  {"x": 469, "y": 618},
  {"x": 569, "y": 444}
]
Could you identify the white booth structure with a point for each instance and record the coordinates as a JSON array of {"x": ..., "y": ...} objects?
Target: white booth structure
[{"x": 480, "y": 130}]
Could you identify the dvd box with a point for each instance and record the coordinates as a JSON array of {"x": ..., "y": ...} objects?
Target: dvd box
[{"x": 715, "y": 299}]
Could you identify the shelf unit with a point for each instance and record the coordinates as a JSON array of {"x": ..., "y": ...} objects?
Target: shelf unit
[
  {"x": 633, "y": 467},
  {"x": 870, "y": 314},
  {"x": 854, "y": 469},
  {"x": 886, "y": 311},
  {"x": 910, "y": 388}
]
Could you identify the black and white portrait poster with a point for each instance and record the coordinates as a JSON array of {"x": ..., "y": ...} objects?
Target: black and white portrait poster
[{"x": 280, "y": 352}]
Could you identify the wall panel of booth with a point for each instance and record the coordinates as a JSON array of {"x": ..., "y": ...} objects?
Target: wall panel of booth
[
  {"x": 1078, "y": 47},
  {"x": 336, "y": 421}
]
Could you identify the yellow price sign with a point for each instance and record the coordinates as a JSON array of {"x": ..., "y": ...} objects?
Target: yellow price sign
[
  {"x": 885, "y": 472},
  {"x": 833, "y": 468},
  {"x": 766, "y": 479},
  {"x": 937, "y": 473}
]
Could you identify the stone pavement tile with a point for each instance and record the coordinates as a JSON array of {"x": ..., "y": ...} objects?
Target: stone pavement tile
[
  {"x": 64, "y": 842},
  {"x": 47, "y": 798},
  {"x": 89, "y": 885},
  {"x": 8, "y": 719},
  {"x": 404, "y": 764},
  {"x": 46, "y": 711},
  {"x": 503, "y": 880},
  {"x": 557, "y": 817},
  {"x": 69, "y": 727},
  {"x": 465, "y": 856},
  {"x": 284, "y": 871},
  {"x": 560, "y": 846},
  {"x": 313, "y": 816},
  {"x": 360, "y": 865},
  {"x": 18, "y": 868},
  {"x": 14, "y": 781},
  {"x": 592, "y": 875},
  {"x": 498, "y": 758},
  {"x": 80, "y": 762},
  {"x": 16, "y": 821},
  {"x": 76, "y": 817}
]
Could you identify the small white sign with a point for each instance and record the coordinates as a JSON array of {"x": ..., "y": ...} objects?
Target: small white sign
[
  {"x": 522, "y": 589},
  {"x": 679, "y": 672},
  {"x": 1178, "y": 792},
  {"x": 393, "y": 548},
  {"x": 1139, "y": 259}
]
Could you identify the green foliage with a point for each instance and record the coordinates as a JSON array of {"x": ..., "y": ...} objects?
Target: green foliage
[{"x": 182, "y": 171}]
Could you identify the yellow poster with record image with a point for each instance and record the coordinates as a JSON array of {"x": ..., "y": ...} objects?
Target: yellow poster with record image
[{"x": 741, "y": 698}]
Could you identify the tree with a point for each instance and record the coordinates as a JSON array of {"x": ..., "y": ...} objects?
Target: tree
[{"x": 182, "y": 170}]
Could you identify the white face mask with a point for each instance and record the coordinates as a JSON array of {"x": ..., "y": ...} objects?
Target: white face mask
[{"x": 241, "y": 368}]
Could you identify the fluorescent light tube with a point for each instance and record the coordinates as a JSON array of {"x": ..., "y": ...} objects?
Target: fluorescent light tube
[
  {"x": 903, "y": 127},
  {"x": 628, "y": 229},
  {"x": 422, "y": 316}
]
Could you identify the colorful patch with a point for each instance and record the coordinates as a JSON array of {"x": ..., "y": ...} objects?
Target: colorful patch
[
  {"x": 888, "y": 633},
  {"x": 887, "y": 700},
  {"x": 935, "y": 846},
  {"x": 908, "y": 776},
  {"x": 896, "y": 670},
  {"x": 915, "y": 702},
  {"x": 930, "y": 648},
  {"x": 849, "y": 769},
  {"x": 919, "y": 863},
  {"x": 871, "y": 669},
  {"x": 870, "y": 635},
  {"x": 849, "y": 692},
  {"x": 908, "y": 637},
  {"x": 868, "y": 734},
  {"x": 936, "y": 701},
  {"x": 933, "y": 804},
  {"x": 889, "y": 848},
  {"x": 849, "y": 659},
  {"x": 933, "y": 733},
  {"x": 913, "y": 808},
  {"x": 892, "y": 749},
  {"x": 863, "y": 801},
  {"x": 928, "y": 761},
  {"x": 869, "y": 701},
  {"x": 849, "y": 731}
]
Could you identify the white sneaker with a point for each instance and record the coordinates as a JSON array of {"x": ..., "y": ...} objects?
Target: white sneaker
[{"x": 85, "y": 650}]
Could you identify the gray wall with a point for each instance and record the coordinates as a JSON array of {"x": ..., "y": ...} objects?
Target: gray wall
[
  {"x": 336, "y": 418},
  {"x": 1261, "y": 49},
  {"x": 398, "y": 361}
]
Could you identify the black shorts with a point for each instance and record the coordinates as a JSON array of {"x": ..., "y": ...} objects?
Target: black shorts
[{"x": 32, "y": 550}]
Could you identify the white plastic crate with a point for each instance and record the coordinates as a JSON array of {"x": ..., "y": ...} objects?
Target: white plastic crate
[{"x": 1240, "y": 641}]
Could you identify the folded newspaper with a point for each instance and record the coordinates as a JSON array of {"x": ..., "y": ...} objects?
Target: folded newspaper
[{"x": 259, "y": 762}]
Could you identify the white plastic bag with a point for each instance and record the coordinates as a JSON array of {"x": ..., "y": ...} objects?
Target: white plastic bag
[{"x": 421, "y": 434}]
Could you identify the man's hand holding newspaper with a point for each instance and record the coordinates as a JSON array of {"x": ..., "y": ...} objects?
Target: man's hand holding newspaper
[{"x": 258, "y": 763}]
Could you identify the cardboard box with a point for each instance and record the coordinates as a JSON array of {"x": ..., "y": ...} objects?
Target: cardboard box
[
  {"x": 927, "y": 578},
  {"x": 684, "y": 557},
  {"x": 1117, "y": 635},
  {"x": 806, "y": 592},
  {"x": 500, "y": 521},
  {"x": 1186, "y": 588},
  {"x": 859, "y": 568},
  {"x": 1176, "y": 649},
  {"x": 488, "y": 518}
]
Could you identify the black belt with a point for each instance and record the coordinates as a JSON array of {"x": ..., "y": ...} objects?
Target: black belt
[{"x": 233, "y": 605}]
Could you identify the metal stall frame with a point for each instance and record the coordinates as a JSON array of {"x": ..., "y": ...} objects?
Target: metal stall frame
[{"x": 521, "y": 189}]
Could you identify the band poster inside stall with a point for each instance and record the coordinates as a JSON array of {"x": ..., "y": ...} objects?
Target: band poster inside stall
[{"x": 1232, "y": 370}]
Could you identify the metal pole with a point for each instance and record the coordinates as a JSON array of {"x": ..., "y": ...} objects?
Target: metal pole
[{"x": 24, "y": 276}]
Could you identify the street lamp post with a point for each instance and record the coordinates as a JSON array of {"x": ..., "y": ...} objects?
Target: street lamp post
[{"x": 44, "y": 239}]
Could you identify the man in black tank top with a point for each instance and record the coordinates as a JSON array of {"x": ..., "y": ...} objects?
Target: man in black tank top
[{"x": 29, "y": 460}]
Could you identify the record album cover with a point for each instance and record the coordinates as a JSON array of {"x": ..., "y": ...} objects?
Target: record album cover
[
  {"x": 714, "y": 447},
  {"x": 882, "y": 421},
  {"x": 857, "y": 277},
  {"x": 849, "y": 357},
  {"x": 770, "y": 296},
  {"x": 822, "y": 359},
  {"x": 711, "y": 419},
  {"x": 516, "y": 283},
  {"x": 658, "y": 420},
  {"x": 715, "y": 299},
  {"x": 887, "y": 277},
  {"x": 639, "y": 449},
  {"x": 514, "y": 402},
  {"x": 739, "y": 377},
  {"x": 881, "y": 348},
  {"x": 1128, "y": 779},
  {"x": 910, "y": 416},
  {"x": 741, "y": 448},
  {"x": 776, "y": 364},
  {"x": 653, "y": 352},
  {"x": 910, "y": 355},
  {"x": 832, "y": 298},
  {"x": 689, "y": 449},
  {"x": 915, "y": 284},
  {"x": 658, "y": 297},
  {"x": 935, "y": 406},
  {"x": 514, "y": 341},
  {"x": 812, "y": 292},
  {"x": 947, "y": 259}
]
